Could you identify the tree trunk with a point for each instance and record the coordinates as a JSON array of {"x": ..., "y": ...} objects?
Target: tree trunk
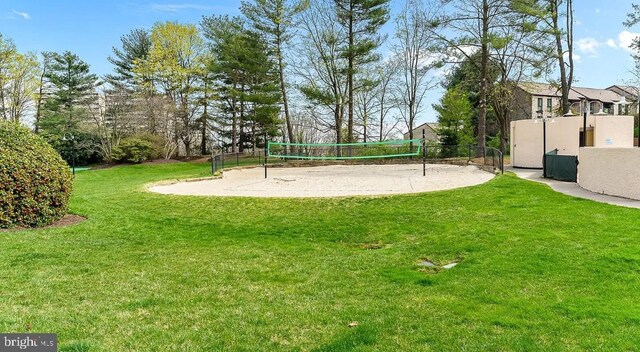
[
  {"x": 283, "y": 90},
  {"x": 2, "y": 100},
  {"x": 565, "y": 80},
  {"x": 234, "y": 122},
  {"x": 350, "y": 75},
  {"x": 205, "y": 115},
  {"x": 569, "y": 34},
  {"x": 187, "y": 147},
  {"x": 203, "y": 143},
  {"x": 253, "y": 138},
  {"x": 338, "y": 119},
  {"x": 482, "y": 108},
  {"x": 40, "y": 92},
  {"x": 241, "y": 129},
  {"x": 381, "y": 117},
  {"x": 364, "y": 118}
]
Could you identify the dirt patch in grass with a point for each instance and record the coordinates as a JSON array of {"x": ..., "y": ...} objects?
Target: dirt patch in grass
[
  {"x": 67, "y": 220},
  {"x": 372, "y": 246}
]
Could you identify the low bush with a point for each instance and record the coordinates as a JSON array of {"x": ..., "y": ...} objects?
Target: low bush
[{"x": 134, "y": 150}]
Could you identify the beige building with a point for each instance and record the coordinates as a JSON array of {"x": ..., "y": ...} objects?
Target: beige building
[
  {"x": 430, "y": 132},
  {"x": 563, "y": 133},
  {"x": 533, "y": 100},
  {"x": 630, "y": 94}
]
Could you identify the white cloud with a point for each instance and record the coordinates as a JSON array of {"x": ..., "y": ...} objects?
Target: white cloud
[
  {"x": 576, "y": 58},
  {"x": 23, "y": 15},
  {"x": 178, "y": 7},
  {"x": 625, "y": 38},
  {"x": 589, "y": 46}
]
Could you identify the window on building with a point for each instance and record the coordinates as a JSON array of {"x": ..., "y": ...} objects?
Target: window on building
[
  {"x": 548, "y": 104},
  {"x": 539, "y": 105}
]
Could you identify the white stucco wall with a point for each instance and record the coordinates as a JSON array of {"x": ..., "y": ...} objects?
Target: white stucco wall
[
  {"x": 563, "y": 133},
  {"x": 612, "y": 131},
  {"x": 526, "y": 140},
  {"x": 612, "y": 171}
]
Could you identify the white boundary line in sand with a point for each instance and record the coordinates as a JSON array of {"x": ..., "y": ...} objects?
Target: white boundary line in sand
[{"x": 331, "y": 181}]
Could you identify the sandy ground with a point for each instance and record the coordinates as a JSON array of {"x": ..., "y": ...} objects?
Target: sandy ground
[{"x": 331, "y": 181}]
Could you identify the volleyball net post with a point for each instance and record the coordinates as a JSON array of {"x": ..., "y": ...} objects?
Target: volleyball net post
[{"x": 424, "y": 155}]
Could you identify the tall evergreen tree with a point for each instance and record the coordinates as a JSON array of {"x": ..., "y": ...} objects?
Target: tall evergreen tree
[
  {"x": 246, "y": 80},
  {"x": 362, "y": 20},
  {"x": 135, "y": 47},
  {"x": 43, "y": 87},
  {"x": 224, "y": 34},
  {"x": 65, "y": 111},
  {"x": 274, "y": 19},
  {"x": 454, "y": 118},
  {"x": 73, "y": 89}
]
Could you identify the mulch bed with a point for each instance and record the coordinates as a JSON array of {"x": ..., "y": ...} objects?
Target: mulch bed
[{"x": 67, "y": 220}]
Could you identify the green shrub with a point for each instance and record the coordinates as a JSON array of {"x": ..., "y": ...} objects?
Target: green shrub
[
  {"x": 156, "y": 141},
  {"x": 133, "y": 149},
  {"x": 35, "y": 183},
  {"x": 84, "y": 147}
]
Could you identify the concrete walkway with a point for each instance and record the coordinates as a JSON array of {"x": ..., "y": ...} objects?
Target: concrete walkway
[{"x": 573, "y": 189}]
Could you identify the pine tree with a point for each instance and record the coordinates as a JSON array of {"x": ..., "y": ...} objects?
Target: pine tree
[
  {"x": 66, "y": 108},
  {"x": 362, "y": 20},
  {"x": 274, "y": 19},
  {"x": 246, "y": 81},
  {"x": 73, "y": 90},
  {"x": 135, "y": 47},
  {"x": 454, "y": 119}
]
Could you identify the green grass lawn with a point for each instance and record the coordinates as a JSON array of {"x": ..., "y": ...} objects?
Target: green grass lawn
[{"x": 148, "y": 272}]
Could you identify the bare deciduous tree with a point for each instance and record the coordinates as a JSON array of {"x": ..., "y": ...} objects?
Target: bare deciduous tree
[
  {"x": 322, "y": 69},
  {"x": 414, "y": 57}
]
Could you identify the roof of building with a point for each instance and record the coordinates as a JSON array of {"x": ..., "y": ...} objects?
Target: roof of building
[
  {"x": 576, "y": 93},
  {"x": 603, "y": 95},
  {"x": 546, "y": 89},
  {"x": 432, "y": 125},
  {"x": 629, "y": 91}
]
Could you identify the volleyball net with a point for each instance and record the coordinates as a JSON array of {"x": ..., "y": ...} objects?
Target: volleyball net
[{"x": 345, "y": 151}]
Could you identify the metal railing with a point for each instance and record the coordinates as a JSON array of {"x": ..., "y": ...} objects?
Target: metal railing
[
  {"x": 222, "y": 160},
  {"x": 488, "y": 156}
]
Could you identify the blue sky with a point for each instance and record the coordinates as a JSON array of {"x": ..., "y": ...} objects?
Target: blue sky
[{"x": 91, "y": 28}]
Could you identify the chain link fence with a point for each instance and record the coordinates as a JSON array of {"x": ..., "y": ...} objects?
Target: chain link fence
[{"x": 486, "y": 157}]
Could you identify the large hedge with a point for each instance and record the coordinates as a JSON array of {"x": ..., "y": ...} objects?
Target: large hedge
[{"x": 35, "y": 183}]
